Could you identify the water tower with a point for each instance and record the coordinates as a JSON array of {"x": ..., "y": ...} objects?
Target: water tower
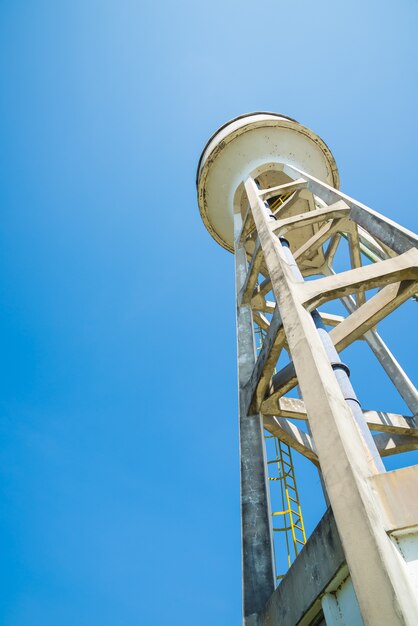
[{"x": 268, "y": 191}]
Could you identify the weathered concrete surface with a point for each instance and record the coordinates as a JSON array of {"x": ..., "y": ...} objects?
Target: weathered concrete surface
[
  {"x": 257, "y": 542},
  {"x": 398, "y": 494},
  {"x": 298, "y": 595}
]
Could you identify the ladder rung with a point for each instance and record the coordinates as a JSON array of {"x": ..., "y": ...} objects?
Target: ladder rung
[{"x": 291, "y": 519}]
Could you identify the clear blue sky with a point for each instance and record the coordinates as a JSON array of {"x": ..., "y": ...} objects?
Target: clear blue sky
[{"x": 119, "y": 457}]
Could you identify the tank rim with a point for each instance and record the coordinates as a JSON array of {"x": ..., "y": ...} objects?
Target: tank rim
[{"x": 231, "y": 121}]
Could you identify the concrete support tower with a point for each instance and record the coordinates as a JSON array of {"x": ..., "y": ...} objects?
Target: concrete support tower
[{"x": 268, "y": 191}]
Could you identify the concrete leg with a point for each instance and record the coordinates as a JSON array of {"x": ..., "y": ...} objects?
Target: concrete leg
[{"x": 257, "y": 544}]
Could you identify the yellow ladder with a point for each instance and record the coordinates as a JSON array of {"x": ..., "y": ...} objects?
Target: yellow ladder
[
  {"x": 289, "y": 516},
  {"x": 288, "y": 520}
]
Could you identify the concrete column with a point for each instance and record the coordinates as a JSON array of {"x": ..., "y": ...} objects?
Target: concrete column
[{"x": 257, "y": 543}]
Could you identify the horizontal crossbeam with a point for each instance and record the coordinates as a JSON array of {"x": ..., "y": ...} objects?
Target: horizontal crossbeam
[
  {"x": 371, "y": 312},
  {"x": 272, "y": 192},
  {"x": 402, "y": 267},
  {"x": 377, "y": 420},
  {"x": 387, "y": 231},
  {"x": 389, "y": 444},
  {"x": 337, "y": 210},
  {"x": 293, "y": 436}
]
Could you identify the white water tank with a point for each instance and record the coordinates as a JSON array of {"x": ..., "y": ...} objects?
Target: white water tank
[{"x": 251, "y": 141}]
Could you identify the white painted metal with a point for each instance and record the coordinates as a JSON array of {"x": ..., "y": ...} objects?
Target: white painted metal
[
  {"x": 340, "y": 607},
  {"x": 407, "y": 543}
]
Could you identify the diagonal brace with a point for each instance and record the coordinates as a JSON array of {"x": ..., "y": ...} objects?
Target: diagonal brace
[
  {"x": 403, "y": 267},
  {"x": 266, "y": 362},
  {"x": 371, "y": 312},
  {"x": 252, "y": 275}
]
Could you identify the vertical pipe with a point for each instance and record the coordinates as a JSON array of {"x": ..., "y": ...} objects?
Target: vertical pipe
[
  {"x": 341, "y": 371},
  {"x": 399, "y": 378}
]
